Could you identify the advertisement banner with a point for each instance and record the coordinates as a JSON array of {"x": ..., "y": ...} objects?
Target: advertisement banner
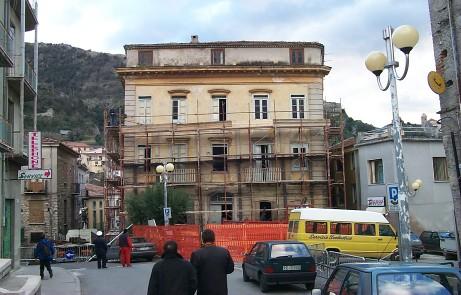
[{"x": 35, "y": 150}]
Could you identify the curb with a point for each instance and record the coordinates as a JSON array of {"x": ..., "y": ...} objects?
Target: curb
[{"x": 78, "y": 289}]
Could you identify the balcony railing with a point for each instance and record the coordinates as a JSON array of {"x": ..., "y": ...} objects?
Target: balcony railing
[
  {"x": 182, "y": 176},
  {"x": 6, "y": 47},
  {"x": 262, "y": 174},
  {"x": 35, "y": 186},
  {"x": 29, "y": 74},
  {"x": 6, "y": 133}
]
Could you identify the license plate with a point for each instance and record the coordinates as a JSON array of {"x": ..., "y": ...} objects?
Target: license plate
[
  {"x": 144, "y": 248},
  {"x": 292, "y": 267}
]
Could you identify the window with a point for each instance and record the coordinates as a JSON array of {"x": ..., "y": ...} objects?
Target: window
[
  {"x": 351, "y": 285},
  {"x": 217, "y": 56},
  {"x": 261, "y": 104},
  {"x": 316, "y": 227},
  {"x": 101, "y": 218},
  {"x": 297, "y": 56},
  {"x": 375, "y": 171},
  {"x": 145, "y": 156},
  {"x": 179, "y": 152},
  {"x": 364, "y": 229},
  {"x": 145, "y": 57},
  {"x": 297, "y": 106},
  {"x": 340, "y": 228},
  {"x": 178, "y": 104},
  {"x": 11, "y": 113},
  {"x": 143, "y": 110},
  {"x": 440, "y": 168},
  {"x": 336, "y": 281},
  {"x": 219, "y": 108},
  {"x": 255, "y": 249},
  {"x": 293, "y": 227},
  {"x": 219, "y": 157},
  {"x": 418, "y": 283},
  {"x": 35, "y": 237},
  {"x": 300, "y": 161},
  {"x": 262, "y": 153},
  {"x": 293, "y": 250},
  {"x": 385, "y": 230}
]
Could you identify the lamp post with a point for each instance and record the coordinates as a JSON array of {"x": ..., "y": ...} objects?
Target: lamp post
[
  {"x": 404, "y": 38},
  {"x": 163, "y": 170}
]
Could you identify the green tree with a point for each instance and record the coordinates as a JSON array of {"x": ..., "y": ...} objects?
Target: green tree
[{"x": 149, "y": 205}]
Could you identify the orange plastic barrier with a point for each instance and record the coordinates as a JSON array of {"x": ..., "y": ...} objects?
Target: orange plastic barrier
[{"x": 238, "y": 238}]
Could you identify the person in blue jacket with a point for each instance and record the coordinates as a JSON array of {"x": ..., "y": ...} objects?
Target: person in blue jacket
[{"x": 44, "y": 251}]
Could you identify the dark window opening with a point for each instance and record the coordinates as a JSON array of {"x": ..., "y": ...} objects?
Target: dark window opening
[
  {"x": 222, "y": 110},
  {"x": 265, "y": 213},
  {"x": 217, "y": 56},
  {"x": 219, "y": 157},
  {"x": 261, "y": 110}
]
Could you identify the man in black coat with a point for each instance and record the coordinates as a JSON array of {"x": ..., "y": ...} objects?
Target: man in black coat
[
  {"x": 100, "y": 249},
  {"x": 172, "y": 275},
  {"x": 213, "y": 264}
]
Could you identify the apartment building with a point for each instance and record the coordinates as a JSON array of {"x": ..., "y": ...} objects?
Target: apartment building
[
  {"x": 243, "y": 123},
  {"x": 92, "y": 157},
  {"x": 18, "y": 84},
  {"x": 50, "y": 206},
  {"x": 94, "y": 204}
]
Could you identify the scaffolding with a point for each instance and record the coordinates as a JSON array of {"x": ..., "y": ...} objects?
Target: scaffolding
[{"x": 259, "y": 162}]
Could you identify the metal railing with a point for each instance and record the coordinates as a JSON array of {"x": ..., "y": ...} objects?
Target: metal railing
[
  {"x": 71, "y": 252},
  {"x": 407, "y": 133},
  {"x": 29, "y": 74},
  {"x": 182, "y": 176},
  {"x": 327, "y": 261},
  {"x": 262, "y": 174}
]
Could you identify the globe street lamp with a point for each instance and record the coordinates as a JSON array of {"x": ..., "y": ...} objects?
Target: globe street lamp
[
  {"x": 163, "y": 170},
  {"x": 404, "y": 38}
]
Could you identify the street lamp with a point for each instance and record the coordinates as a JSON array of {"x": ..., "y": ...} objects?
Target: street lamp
[
  {"x": 404, "y": 38},
  {"x": 163, "y": 170}
]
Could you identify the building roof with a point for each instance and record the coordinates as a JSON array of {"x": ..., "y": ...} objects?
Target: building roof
[
  {"x": 227, "y": 44},
  {"x": 94, "y": 191},
  {"x": 339, "y": 215},
  {"x": 76, "y": 144},
  {"x": 48, "y": 141}
]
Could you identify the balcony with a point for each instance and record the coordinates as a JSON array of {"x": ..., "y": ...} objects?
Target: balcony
[
  {"x": 6, "y": 135},
  {"x": 5, "y": 47},
  {"x": 30, "y": 77},
  {"x": 262, "y": 175},
  {"x": 182, "y": 176},
  {"x": 37, "y": 186}
]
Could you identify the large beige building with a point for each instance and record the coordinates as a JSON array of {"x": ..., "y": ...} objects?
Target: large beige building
[{"x": 243, "y": 122}]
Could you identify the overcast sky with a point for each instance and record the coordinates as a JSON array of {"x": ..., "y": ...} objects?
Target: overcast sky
[{"x": 348, "y": 29}]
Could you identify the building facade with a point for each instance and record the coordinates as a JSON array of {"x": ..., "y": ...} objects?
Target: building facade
[
  {"x": 371, "y": 166},
  {"x": 243, "y": 122},
  {"x": 92, "y": 157},
  {"x": 50, "y": 206},
  {"x": 18, "y": 84},
  {"x": 94, "y": 204}
]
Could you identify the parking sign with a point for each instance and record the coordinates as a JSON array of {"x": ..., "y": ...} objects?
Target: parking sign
[
  {"x": 167, "y": 212},
  {"x": 393, "y": 198}
]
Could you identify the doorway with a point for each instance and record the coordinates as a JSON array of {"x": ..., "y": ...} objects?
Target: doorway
[
  {"x": 8, "y": 229},
  {"x": 265, "y": 213}
]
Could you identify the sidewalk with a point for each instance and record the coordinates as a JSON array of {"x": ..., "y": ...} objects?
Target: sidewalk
[{"x": 63, "y": 281}]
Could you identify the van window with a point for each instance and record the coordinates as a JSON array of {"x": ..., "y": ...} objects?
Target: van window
[
  {"x": 364, "y": 229},
  {"x": 293, "y": 227},
  {"x": 340, "y": 228},
  {"x": 385, "y": 230},
  {"x": 316, "y": 227}
]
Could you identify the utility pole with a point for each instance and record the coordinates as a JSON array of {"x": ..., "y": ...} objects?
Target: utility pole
[{"x": 446, "y": 36}]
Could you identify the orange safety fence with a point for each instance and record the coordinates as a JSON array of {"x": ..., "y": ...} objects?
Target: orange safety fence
[{"x": 238, "y": 238}]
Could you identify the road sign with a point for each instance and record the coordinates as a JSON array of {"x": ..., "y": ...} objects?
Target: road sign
[
  {"x": 167, "y": 212},
  {"x": 34, "y": 174},
  {"x": 35, "y": 150},
  {"x": 393, "y": 198}
]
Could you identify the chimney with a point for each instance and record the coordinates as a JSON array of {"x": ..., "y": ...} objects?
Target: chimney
[{"x": 194, "y": 39}]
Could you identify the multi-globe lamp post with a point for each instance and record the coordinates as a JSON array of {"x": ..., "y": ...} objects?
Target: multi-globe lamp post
[
  {"x": 404, "y": 38},
  {"x": 163, "y": 170}
]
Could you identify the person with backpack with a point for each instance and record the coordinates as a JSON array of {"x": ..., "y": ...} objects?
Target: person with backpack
[{"x": 44, "y": 251}]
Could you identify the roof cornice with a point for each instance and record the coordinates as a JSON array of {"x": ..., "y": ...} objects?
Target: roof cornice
[{"x": 228, "y": 44}]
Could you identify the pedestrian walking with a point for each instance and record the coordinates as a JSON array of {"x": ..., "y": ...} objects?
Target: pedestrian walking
[
  {"x": 44, "y": 251},
  {"x": 100, "y": 249},
  {"x": 124, "y": 242},
  {"x": 212, "y": 264},
  {"x": 172, "y": 274}
]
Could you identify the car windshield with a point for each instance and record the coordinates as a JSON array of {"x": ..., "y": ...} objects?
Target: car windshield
[
  {"x": 289, "y": 250},
  {"x": 418, "y": 284},
  {"x": 138, "y": 240},
  {"x": 446, "y": 235}
]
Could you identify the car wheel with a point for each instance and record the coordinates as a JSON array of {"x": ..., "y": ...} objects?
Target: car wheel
[
  {"x": 246, "y": 278},
  {"x": 262, "y": 284},
  {"x": 310, "y": 286}
]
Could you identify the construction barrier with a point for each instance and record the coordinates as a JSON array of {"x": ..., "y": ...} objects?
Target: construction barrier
[
  {"x": 69, "y": 252},
  {"x": 237, "y": 238}
]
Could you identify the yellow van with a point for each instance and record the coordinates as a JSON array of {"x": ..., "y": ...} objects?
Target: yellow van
[{"x": 360, "y": 233}]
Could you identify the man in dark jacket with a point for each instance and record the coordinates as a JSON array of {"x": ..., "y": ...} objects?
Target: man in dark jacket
[
  {"x": 100, "y": 249},
  {"x": 44, "y": 251},
  {"x": 172, "y": 275},
  {"x": 124, "y": 242},
  {"x": 213, "y": 264}
]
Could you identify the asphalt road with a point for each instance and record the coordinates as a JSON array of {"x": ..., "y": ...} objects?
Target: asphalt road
[
  {"x": 116, "y": 280},
  {"x": 134, "y": 280}
]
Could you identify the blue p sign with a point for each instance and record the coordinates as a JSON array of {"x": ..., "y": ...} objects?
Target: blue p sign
[{"x": 393, "y": 194}]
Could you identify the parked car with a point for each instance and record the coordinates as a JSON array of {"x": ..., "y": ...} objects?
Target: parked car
[
  {"x": 141, "y": 249},
  {"x": 416, "y": 246},
  {"x": 279, "y": 262},
  {"x": 431, "y": 240},
  {"x": 392, "y": 278}
]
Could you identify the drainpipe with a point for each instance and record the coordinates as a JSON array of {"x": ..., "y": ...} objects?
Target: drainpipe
[{"x": 36, "y": 69}]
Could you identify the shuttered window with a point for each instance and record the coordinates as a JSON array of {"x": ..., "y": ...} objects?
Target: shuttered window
[{"x": 36, "y": 214}]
